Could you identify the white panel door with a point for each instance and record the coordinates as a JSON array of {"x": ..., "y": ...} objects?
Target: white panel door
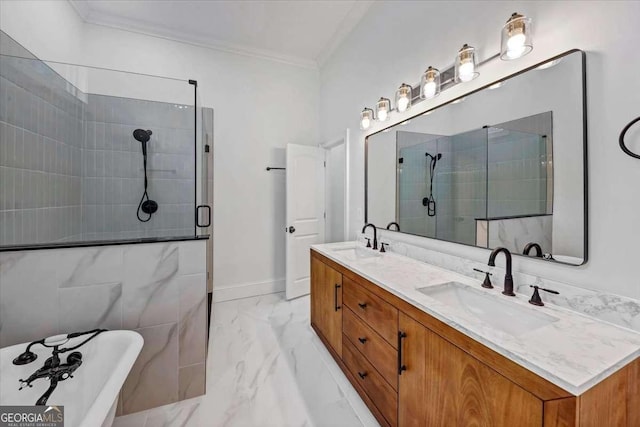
[{"x": 305, "y": 214}]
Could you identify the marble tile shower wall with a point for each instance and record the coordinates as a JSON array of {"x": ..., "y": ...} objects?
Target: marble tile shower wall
[
  {"x": 40, "y": 154},
  {"x": 156, "y": 289},
  {"x": 112, "y": 170}
]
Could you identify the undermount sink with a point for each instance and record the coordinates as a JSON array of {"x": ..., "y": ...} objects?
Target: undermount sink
[
  {"x": 357, "y": 253},
  {"x": 508, "y": 317}
]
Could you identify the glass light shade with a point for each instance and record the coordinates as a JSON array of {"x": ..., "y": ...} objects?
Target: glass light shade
[
  {"x": 430, "y": 83},
  {"x": 383, "y": 107},
  {"x": 366, "y": 117},
  {"x": 466, "y": 64},
  {"x": 516, "y": 39},
  {"x": 403, "y": 97}
]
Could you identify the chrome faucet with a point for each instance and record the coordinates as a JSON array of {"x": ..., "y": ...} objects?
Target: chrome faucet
[
  {"x": 508, "y": 278},
  {"x": 375, "y": 234}
]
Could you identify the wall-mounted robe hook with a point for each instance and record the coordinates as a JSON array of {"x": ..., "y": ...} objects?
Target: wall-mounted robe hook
[{"x": 622, "y": 143}]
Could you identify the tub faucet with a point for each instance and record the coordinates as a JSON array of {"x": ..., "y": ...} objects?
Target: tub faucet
[
  {"x": 375, "y": 234},
  {"x": 508, "y": 278}
]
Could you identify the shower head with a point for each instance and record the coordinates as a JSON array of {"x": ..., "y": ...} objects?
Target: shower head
[
  {"x": 436, "y": 157},
  {"x": 142, "y": 135}
]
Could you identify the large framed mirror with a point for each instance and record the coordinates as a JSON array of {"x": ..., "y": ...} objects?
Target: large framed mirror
[{"x": 505, "y": 165}]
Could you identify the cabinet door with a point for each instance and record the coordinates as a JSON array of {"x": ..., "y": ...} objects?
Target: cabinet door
[
  {"x": 326, "y": 303},
  {"x": 444, "y": 386}
]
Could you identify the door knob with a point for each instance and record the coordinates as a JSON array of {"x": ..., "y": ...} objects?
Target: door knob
[{"x": 292, "y": 229}]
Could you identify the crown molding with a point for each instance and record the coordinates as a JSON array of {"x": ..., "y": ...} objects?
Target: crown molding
[
  {"x": 192, "y": 38},
  {"x": 348, "y": 23},
  {"x": 81, "y": 8}
]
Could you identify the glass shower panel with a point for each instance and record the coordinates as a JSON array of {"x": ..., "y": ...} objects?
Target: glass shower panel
[
  {"x": 517, "y": 173},
  {"x": 71, "y": 169},
  {"x": 414, "y": 182},
  {"x": 461, "y": 185}
]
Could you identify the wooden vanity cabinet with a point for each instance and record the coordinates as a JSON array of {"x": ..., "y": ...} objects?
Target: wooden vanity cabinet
[
  {"x": 444, "y": 386},
  {"x": 413, "y": 370},
  {"x": 326, "y": 304}
]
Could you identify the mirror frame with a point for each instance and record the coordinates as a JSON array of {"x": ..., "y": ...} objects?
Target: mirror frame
[{"x": 585, "y": 168}]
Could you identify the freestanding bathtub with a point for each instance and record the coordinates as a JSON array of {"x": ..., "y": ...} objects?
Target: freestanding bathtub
[{"x": 89, "y": 398}]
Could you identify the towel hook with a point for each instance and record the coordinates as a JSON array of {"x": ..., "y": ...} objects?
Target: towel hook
[{"x": 622, "y": 134}]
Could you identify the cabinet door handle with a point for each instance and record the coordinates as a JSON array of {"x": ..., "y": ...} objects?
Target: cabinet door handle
[
  {"x": 335, "y": 297},
  {"x": 401, "y": 367},
  {"x": 362, "y": 374},
  {"x": 362, "y": 340},
  {"x": 362, "y": 305}
]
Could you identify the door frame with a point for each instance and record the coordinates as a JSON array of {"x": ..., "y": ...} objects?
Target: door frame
[{"x": 328, "y": 145}]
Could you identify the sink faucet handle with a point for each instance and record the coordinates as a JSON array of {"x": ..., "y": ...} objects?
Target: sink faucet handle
[
  {"x": 487, "y": 280},
  {"x": 535, "y": 298},
  {"x": 382, "y": 245},
  {"x": 368, "y": 242}
]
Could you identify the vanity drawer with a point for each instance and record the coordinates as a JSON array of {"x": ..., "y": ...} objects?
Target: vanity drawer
[
  {"x": 381, "y": 316},
  {"x": 378, "y": 352},
  {"x": 383, "y": 396}
]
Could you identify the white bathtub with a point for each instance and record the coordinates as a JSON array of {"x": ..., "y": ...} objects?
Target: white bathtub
[{"x": 90, "y": 397}]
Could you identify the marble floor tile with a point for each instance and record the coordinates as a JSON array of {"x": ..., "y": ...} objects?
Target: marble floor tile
[{"x": 265, "y": 367}]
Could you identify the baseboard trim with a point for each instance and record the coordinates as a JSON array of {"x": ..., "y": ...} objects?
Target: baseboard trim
[{"x": 229, "y": 293}]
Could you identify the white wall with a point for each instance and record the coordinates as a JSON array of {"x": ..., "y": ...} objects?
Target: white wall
[
  {"x": 260, "y": 106},
  {"x": 372, "y": 62}
]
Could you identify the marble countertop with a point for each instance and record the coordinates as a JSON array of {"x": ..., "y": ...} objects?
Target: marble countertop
[{"x": 574, "y": 352}]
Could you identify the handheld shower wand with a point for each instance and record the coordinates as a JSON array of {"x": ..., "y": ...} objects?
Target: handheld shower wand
[
  {"x": 147, "y": 206},
  {"x": 430, "y": 201}
]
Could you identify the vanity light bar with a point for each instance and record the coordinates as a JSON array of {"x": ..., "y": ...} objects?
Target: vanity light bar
[{"x": 516, "y": 42}]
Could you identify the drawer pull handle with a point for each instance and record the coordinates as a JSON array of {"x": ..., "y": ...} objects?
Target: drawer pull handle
[
  {"x": 362, "y": 374},
  {"x": 362, "y": 305},
  {"x": 401, "y": 367},
  {"x": 362, "y": 340},
  {"x": 335, "y": 297}
]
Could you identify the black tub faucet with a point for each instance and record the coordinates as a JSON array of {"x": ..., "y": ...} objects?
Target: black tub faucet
[
  {"x": 508, "y": 278},
  {"x": 375, "y": 234},
  {"x": 535, "y": 246}
]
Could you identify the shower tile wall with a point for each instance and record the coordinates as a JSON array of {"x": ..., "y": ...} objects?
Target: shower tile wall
[
  {"x": 40, "y": 153},
  {"x": 460, "y": 185},
  {"x": 113, "y": 179},
  {"x": 517, "y": 170}
]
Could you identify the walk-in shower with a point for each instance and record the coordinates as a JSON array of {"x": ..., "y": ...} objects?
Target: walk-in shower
[
  {"x": 147, "y": 206},
  {"x": 110, "y": 156}
]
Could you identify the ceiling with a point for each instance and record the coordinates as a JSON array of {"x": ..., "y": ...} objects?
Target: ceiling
[{"x": 303, "y": 32}]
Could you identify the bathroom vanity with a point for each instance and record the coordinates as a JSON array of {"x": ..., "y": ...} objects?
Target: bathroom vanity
[{"x": 424, "y": 346}]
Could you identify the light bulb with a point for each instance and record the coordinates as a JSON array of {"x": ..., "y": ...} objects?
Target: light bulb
[
  {"x": 366, "y": 116},
  {"x": 466, "y": 64},
  {"x": 382, "y": 109},
  {"x": 403, "y": 97},
  {"x": 466, "y": 71},
  {"x": 403, "y": 103},
  {"x": 429, "y": 89},
  {"x": 430, "y": 83},
  {"x": 516, "y": 37}
]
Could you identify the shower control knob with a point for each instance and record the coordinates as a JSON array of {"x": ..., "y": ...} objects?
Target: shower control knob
[{"x": 292, "y": 229}]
